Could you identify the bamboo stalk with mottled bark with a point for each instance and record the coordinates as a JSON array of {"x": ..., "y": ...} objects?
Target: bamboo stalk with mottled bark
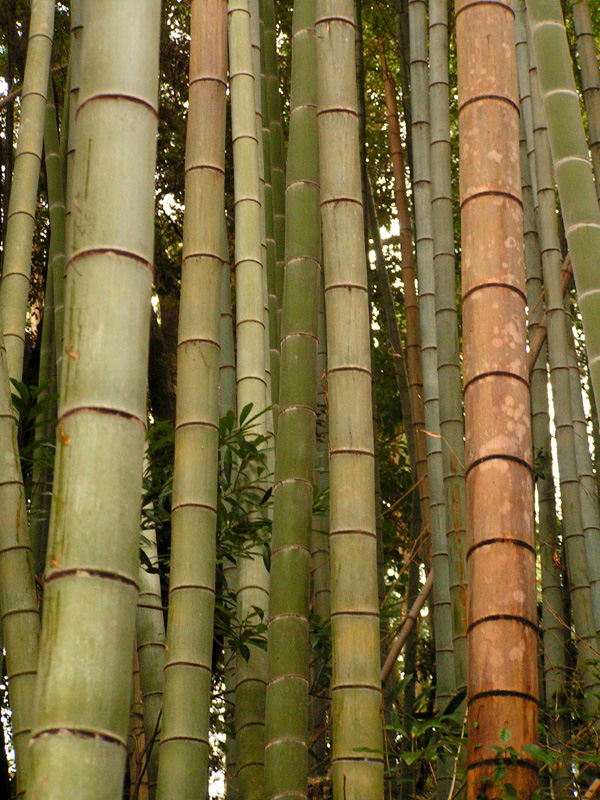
[{"x": 500, "y": 530}]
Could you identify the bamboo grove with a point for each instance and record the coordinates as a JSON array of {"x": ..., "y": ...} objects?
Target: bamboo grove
[{"x": 299, "y": 359}]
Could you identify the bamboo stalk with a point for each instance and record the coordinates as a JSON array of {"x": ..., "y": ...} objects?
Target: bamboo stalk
[
  {"x": 356, "y": 688},
  {"x": 590, "y": 78},
  {"x": 557, "y": 322},
  {"x": 84, "y": 685},
  {"x": 184, "y": 747},
  {"x": 18, "y": 596},
  {"x": 452, "y": 428},
  {"x": 553, "y": 613},
  {"x": 441, "y": 605},
  {"x": 500, "y": 530},
  {"x": 572, "y": 168},
  {"x": 286, "y": 749},
  {"x": 253, "y": 579},
  {"x": 150, "y": 638},
  {"x": 20, "y": 222}
]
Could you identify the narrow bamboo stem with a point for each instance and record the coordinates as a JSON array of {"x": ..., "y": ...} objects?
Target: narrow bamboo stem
[
  {"x": 442, "y": 609},
  {"x": 253, "y": 579},
  {"x": 452, "y": 427},
  {"x": 184, "y": 747},
  {"x": 553, "y": 614},
  {"x": 356, "y": 687},
  {"x": 286, "y": 749},
  {"x": 20, "y": 222},
  {"x": 18, "y": 596},
  {"x": 150, "y": 638},
  {"x": 557, "y": 322}
]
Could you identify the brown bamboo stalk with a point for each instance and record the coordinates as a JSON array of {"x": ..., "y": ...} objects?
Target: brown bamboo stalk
[{"x": 502, "y": 633}]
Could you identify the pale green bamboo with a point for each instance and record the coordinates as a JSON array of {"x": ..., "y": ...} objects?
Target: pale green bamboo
[
  {"x": 150, "y": 639},
  {"x": 20, "y": 221},
  {"x": 184, "y": 749},
  {"x": 18, "y": 597},
  {"x": 258, "y": 100},
  {"x": 357, "y": 757},
  {"x": 253, "y": 579},
  {"x": 556, "y": 321},
  {"x": 72, "y": 87},
  {"x": 590, "y": 513},
  {"x": 64, "y": 129},
  {"x": 226, "y": 353},
  {"x": 320, "y": 572},
  {"x": 553, "y": 614},
  {"x": 271, "y": 267},
  {"x": 56, "y": 207},
  {"x": 572, "y": 167},
  {"x": 286, "y": 733},
  {"x": 54, "y": 286},
  {"x": 227, "y": 404},
  {"x": 442, "y": 609},
  {"x": 90, "y": 595},
  {"x": 136, "y": 740},
  {"x": 452, "y": 426},
  {"x": 277, "y": 145},
  {"x": 525, "y": 103},
  {"x": 590, "y": 78}
]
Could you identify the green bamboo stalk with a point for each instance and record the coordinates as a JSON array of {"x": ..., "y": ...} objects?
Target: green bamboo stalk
[
  {"x": 524, "y": 83},
  {"x": 286, "y": 734},
  {"x": 277, "y": 145},
  {"x": 54, "y": 287},
  {"x": 226, "y": 405},
  {"x": 253, "y": 579},
  {"x": 572, "y": 167},
  {"x": 442, "y": 609},
  {"x": 68, "y": 135},
  {"x": 452, "y": 426},
  {"x": 266, "y": 250},
  {"x": 226, "y": 353},
  {"x": 84, "y": 686},
  {"x": 150, "y": 639},
  {"x": 557, "y": 322},
  {"x": 20, "y": 222},
  {"x": 271, "y": 266},
  {"x": 553, "y": 614},
  {"x": 136, "y": 741},
  {"x": 357, "y": 757},
  {"x": 320, "y": 572},
  {"x": 18, "y": 597},
  {"x": 184, "y": 750},
  {"x": 56, "y": 206},
  {"x": 590, "y": 513},
  {"x": 590, "y": 78},
  {"x": 500, "y": 530}
]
